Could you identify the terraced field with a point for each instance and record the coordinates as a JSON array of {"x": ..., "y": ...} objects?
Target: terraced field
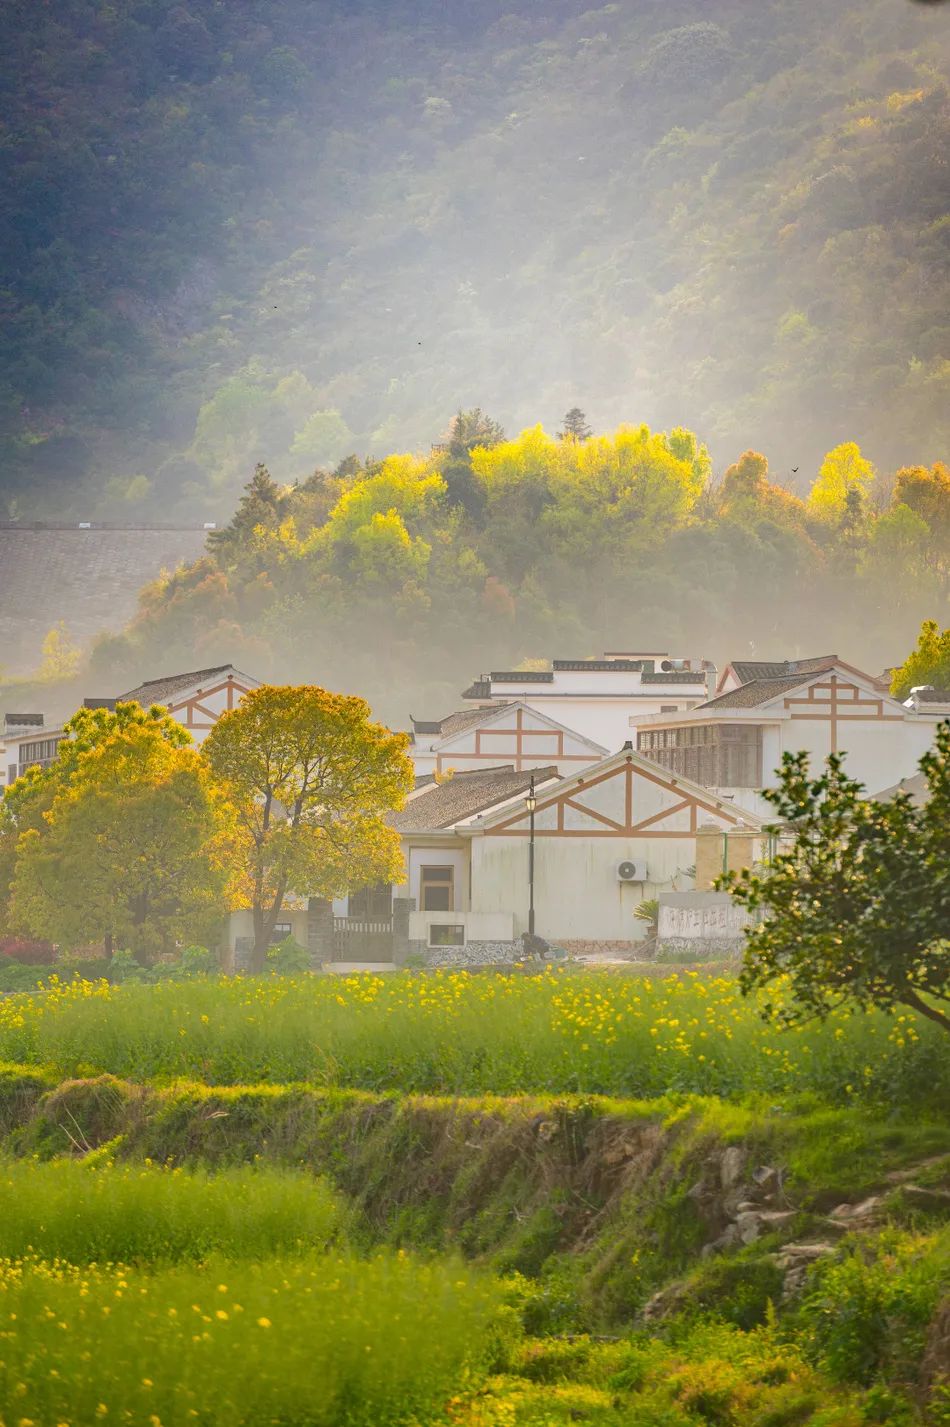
[{"x": 484, "y": 1201}]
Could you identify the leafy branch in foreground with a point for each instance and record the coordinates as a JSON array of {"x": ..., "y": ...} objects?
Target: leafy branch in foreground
[{"x": 857, "y": 909}]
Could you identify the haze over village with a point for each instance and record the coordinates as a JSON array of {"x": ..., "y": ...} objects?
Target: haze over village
[{"x": 475, "y": 714}]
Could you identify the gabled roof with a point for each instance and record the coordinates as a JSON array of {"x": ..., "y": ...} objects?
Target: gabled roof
[
  {"x": 597, "y": 772},
  {"x": 159, "y": 691},
  {"x": 746, "y": 670},
  {"x": 930, "y": 696},
  {"x": 758, "y": 692},
  {"x": 463, "y": 795},
  {"x": 481, "y": 689},
  {"x": 457, "y": 722},
  {"x": 753, "y": 693}
]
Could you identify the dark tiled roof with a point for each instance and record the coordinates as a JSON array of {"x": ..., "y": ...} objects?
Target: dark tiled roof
[
  {"x": 748, "y": 669},
  {"x": 467, "y": 718},
  {"x": 598, "y": 666},
  {"x": 933, "y": 696},
  {"x": 523, "y": 676},
  {"x": 675, "y": 676},
  {"x": 462, "y": 796},
  {"x": 481, "y": 689},
  {"x": 456, "y": 722},
  {"x": 158, "y": 691},
  {"x": 757, "y": 691}
]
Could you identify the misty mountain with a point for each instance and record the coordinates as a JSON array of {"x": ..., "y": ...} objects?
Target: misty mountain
[{"x": 283, "y": 230}]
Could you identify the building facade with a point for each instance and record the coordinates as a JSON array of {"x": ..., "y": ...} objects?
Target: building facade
[
  {"x": 597, "y": 698},
  {"x": 514, "y": 734},
  {"x": 734, "y": 743},
  {"x": 618, "y": 832},
  {"x": 197, "y": 699}
]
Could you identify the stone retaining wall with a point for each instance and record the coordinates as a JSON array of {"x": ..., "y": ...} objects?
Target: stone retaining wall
[
  {"x": 635, "y": 950},
  {"x": 474, "y": 953}
]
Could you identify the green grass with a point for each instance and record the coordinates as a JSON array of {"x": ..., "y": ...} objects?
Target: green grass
[
  {"x": 315, "y": 1342},
  {"x": 86, "y": 1213},
  {"x": 460, "y": 1034},
  {"x": 712, "y": 1375}
]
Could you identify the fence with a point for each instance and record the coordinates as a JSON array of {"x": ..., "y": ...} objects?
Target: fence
[{"x": 356, "y": 939}]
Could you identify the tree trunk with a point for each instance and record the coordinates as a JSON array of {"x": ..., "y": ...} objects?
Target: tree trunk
[
  {"x": 261, "y": 941},
  {"x": 107, "y": 946},
  {"x": 911, "y": 998}
]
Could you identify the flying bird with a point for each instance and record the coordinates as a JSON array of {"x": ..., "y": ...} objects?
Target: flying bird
[{"x": 794, "y": 470}]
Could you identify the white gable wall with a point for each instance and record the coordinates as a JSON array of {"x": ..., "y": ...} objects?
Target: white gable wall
[
  {"x": 577, "y": 894},
  {"x": 605, "y": 720},
  {"x": 199, "y": 709},
  {"x": 622, "y": 809}
]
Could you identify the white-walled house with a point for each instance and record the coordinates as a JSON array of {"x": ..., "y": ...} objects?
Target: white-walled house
[
  {"x": 512, "y": 733},
  {"x": 598, "y": 697},
  {"x": 605, "y": 839},
  {"x": 734, "y": 743},
  {"x": 197, "y": 699}
]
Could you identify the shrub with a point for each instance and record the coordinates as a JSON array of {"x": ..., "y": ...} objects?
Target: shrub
[
  {"x": 288, "y": 957},
  {"x": 866, "y": 1315},
  {"x": 27, "y": 952}
]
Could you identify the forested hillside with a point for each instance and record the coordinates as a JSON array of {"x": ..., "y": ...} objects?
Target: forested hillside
[
  {"x": 279, "y": 230},
  {"x": 404, "y": 578}
]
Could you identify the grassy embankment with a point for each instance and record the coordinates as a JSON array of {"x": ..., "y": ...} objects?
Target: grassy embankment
[{"x": 583, "y": 1204}]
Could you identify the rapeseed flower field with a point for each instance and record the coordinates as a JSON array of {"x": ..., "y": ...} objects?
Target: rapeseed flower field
[{"x": 457, "y": 1033}]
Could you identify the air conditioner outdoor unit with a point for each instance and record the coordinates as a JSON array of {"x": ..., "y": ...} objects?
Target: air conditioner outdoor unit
[{"x": 631, "y": 872}]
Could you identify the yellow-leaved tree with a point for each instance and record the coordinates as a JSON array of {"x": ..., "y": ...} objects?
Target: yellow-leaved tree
[
  {"x": 126, "y": 837},
  {"x": 312, "y": 777},
  {"x": 843, "y": 483},
  {"x": 929, "y": 663}
]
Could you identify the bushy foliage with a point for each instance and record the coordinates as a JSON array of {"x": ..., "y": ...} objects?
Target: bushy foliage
[
  {"x": 867, "y": 1313},
  {"x": 125, "y": 835},
  {"x": 26, "y": 951},
  {"x": 417, "y": 571},
  {"x": 856, "y": 907}
]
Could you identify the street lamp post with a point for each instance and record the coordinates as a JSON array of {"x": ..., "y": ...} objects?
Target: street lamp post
[{"x": 531, "y": 802}]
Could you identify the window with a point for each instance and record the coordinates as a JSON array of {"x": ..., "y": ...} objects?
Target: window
[
  {"x": 437, "y": 889},
  {"x": 447, "y": 936},
  {"x": 667, "y": 708},
  {"x": 281, "y": 931},
  {"x": 41, "y": 751},
  {"x": 371, "y": 904}
]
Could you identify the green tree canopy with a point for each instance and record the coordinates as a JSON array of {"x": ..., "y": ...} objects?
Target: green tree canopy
[
  {"x": 312, "y": 777},
  {"x": 856, "y": 909},
  {"x": 134, "y": 841},
  {"x": 928, "y": 663}
]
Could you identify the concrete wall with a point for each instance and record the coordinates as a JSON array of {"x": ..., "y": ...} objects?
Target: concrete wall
[
  {"x": 878, "y": 753},
  {"x": 577, "y": 894},
  {"x": 707, "y": 923},
  {"x": 607, "y": 720},
  {"x": 239, "y": 933},
  {"x": 479, "y": 926}
]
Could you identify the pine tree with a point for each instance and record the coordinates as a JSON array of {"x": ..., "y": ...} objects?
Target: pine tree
[
  {"x": 575, "y": 426},
  {"x": 264, "y": 502}
]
